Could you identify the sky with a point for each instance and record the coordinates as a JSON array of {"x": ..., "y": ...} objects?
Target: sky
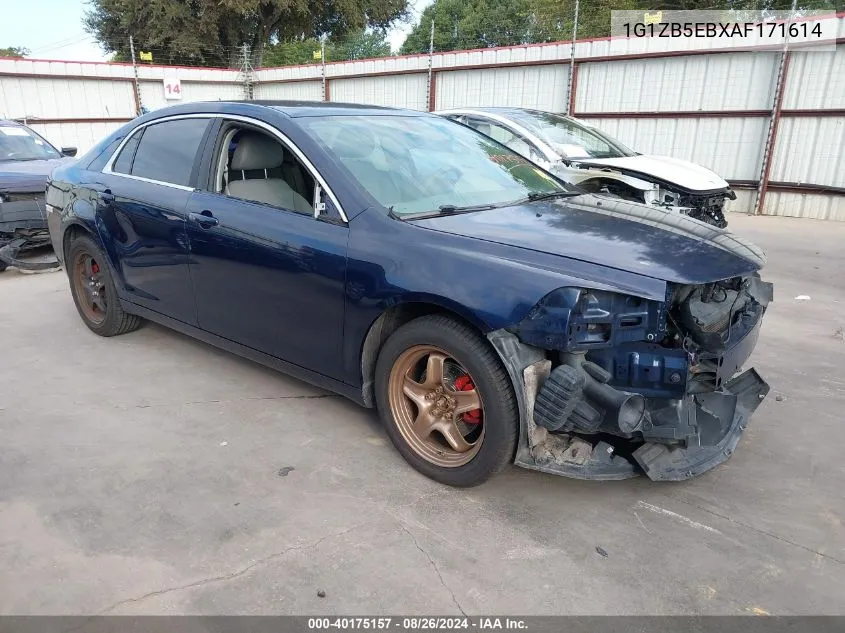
[{"x": 52, "y": 29}]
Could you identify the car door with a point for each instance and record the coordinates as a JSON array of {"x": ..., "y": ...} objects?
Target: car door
[
  {"x": 266, "y": 272},
  {"x": 143, "y": 193}
]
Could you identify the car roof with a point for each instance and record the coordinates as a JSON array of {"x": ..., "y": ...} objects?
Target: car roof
[
  {"x": 500, "y": 110},
  {"x": 330, "y": 108},
  {"x": 289, "y": 108}
]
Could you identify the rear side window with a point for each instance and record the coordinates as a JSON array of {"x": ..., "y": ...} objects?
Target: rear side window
[
  {"x": 100, "y": 161},
  {"x": 123, "y": 164},
  {"x": 167, "y": 150}
]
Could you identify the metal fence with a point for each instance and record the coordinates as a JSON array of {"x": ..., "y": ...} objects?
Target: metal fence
[{"x": 721, "y": 108}]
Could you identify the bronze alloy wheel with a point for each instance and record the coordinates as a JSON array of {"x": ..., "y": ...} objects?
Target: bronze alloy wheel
[
  {"x": 436, "y": 406},
  {"x": 90, "y": 287}
]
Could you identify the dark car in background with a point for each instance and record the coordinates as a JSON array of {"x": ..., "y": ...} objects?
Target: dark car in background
[
  {"x": 26, "y": 160},
  {"x": 489, "y": 311}
]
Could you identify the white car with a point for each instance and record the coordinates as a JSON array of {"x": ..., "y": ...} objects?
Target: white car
[{"x": 585, "y": 156}]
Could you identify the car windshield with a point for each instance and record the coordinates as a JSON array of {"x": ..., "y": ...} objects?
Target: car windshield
[
  {"x": 20, "y": 143},
  {"x": 426, "y": 164},
  {"x": 569, "y": 138}
]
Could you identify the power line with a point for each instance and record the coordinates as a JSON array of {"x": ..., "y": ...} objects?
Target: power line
[{"x": 60, "y": 45}]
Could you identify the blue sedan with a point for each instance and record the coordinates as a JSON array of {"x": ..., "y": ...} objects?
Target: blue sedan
[{"x": 491, "y": 312}]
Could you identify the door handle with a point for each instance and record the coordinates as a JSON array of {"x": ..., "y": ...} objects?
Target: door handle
[
  {"x": 205, "y": 219},
  {"x": 105, "y": 194}
]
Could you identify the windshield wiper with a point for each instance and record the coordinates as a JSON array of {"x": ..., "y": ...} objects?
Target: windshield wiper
[
  {"x": 444, "y": 209},
  {"x": 548, "y": 195},
  {"x": 447, "y": 209}
]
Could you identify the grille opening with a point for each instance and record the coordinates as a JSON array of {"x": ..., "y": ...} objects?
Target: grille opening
[{"x": 630, "y": 321}]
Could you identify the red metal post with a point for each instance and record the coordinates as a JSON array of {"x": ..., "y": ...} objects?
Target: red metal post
[
  {"x": 573, "y": 90},
  {"x": 773, "y": 136}
]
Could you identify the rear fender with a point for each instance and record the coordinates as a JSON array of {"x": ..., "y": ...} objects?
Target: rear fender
[{"x": 82, "y": 216}]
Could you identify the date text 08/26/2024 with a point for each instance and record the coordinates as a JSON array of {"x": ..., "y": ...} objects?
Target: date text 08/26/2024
[{"x": 417, "y": 623}]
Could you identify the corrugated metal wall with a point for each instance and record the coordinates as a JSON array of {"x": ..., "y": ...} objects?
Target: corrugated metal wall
[
  {"x": 744, "y": 202},
  {"x": 540, "y": 87},
  {"x": 816, "y": 80},
  {"x": 402, "y": 91},
  {"x": 810, "y": 150},
  {"x": 50, "y": 98},
  {"x": 804, "y": 205},
  {"x": 659, "y": 96},
  {"x": 152, "y": 92},
  {"x": 303, "y": 90},
  {"x": 739, "y": 81},
  {"x": 76, "y": 103},
  {"x": 732, "y": 147},
  {"x": 79, "y": 135}
]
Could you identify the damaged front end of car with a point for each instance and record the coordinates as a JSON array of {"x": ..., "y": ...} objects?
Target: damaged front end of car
[
  {"x": 611, "y": 385},
  {"x": 23, "y": 230}
]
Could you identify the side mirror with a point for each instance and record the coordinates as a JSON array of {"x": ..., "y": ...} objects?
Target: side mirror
[{"x": 68, "y": 151}]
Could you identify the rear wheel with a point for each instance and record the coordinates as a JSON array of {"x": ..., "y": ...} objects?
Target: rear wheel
[
  {"x": 446, "y": 401},
  {"x": 93, "y": 290}
]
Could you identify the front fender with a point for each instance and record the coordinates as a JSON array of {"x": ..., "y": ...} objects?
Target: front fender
[{"x": 493, "y": 286}]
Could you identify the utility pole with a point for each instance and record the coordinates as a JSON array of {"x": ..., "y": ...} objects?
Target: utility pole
[
  {"x": 323, "y": 65},
  {"x": 572, "y": 61},
  {"x": 430, "y": 85},
  {"x": 246, "y": 70},
  {"x": 135, "y": 73}
]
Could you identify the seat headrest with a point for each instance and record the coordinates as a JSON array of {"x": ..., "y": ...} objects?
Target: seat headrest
[
  {"x": 257, "y": 151},
  {"x": 484, "y": 128}
]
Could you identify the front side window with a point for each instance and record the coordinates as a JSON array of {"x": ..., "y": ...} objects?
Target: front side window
[
  {"x": 504, "y": 135},
  {"x": 413, "y": 164},
  {"x": 20, "y": 143},
  {"x": 166, "y": 151},
  {"x": 569, "y": 138},
  {"x": 255, "y": 166}
]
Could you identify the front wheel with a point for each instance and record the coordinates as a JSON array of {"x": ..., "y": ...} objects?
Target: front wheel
[{"x": 446, "y": 401}]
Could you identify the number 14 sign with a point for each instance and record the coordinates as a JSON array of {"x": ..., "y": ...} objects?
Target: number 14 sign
[{"x": 172, "y": 89}]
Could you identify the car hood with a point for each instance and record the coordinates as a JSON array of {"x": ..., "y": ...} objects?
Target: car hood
[
  {"x": 28, "y": 175},
  {"x": 687, "y": 175},
  {"x": 627, "y": 236}
]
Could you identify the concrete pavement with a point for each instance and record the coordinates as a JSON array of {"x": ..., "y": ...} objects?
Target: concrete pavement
[{"x": 152, "y": 474}]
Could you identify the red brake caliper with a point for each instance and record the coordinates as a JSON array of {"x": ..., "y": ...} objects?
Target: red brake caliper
[
  {"x": 464, "y": 383},
  {"x": 95, "y": 268}
]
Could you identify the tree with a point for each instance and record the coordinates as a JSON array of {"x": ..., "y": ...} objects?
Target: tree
[
  {"x": 461, "y": 24},
  {"x": 361, "y": 44},
  {"x": 208, "y": 32},
  {"x": 14, "y": 51},
  {"x": 465, "y": 24}
]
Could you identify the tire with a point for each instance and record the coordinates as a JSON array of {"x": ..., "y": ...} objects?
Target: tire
[
  {"x": 465, "y": 350},
  {"x": 107, "y": 318}
]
